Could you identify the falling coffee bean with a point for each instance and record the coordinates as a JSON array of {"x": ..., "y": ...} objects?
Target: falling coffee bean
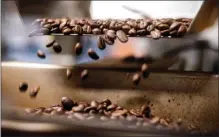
[
  {"x": 108, "y": 41},
  {"x": 111, "y": 34},
  {"x": 136, "y": 79},
  {"x": 92, "y": 54},
  {"x": 50, "y": 44},
  {"x": 146, "y": 111},
  {"x": 101, "y": 43},
  {"x": 33, "y": 93},
  {"x": 69, "y": 73},
  {"x": 78, "y": 49},
  {"x": 84, "y": 74},
  {"x": 67, "y": 103},
  {"x": 23, "y": 86},
  {"x": 144, "y": 70},
  {"x": 121, "y": 36},
  {"x": 57, "y": 48},
  {"x": 41, "y": 54}
]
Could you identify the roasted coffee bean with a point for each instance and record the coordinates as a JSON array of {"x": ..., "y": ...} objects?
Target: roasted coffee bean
[
  {"x": 96, "y": 31},
  {"x": 135, "y": 113},
  {"x": 174, "y": 26},
  {"x": 141, "y": 32},
  {"x": 33, "y": 93},
  {"x": 150, "y": 28},
  {"x": 164, "y": 122},
  {"x": 94, "y": 24},
  {"x": 50, "y": 44},
  {"x": 143, "y": 25},
  {"x": 173, "y": 32},
  {"x": 101, "y": 43},
  {"x": 111, "y": 34},
  {"x": 119, "y": 108},
  {"x": 69, "y": 73},
  {"x": 89, "y": 30},
  {"x": 132, "y": 23},
  {"x": 87, "y": 109},
  {"x": 84, "y": 103},
  {"x": 30, "y": 110},
  {"x": 100, "y": 106},
  {"x": 154, "y": 120},
  {"x": 126, "y": 28},
  {"x": 136, "y": 79},
  {"x": 72, "y": 23},
  {"x": 155, "y": 34},
  {"x": 92, "y": 111},
  {"x": 94, "y": 103},
  {"x": 119, "y": 112},
  {"x": 67, "y": 103},
  {"x": 163, "y": 26},
  {"x": 105, "y": 30},
  {"x": 182, "y": 30},
  {"x": 92, "y": 54},
  {"x": 112, "y": 107},
  {"x": 165, "y": 32},
  {"x": 48, "y": 110},
  {"x": 112, "y": 24},
  {"x": 132, "y": 32},
  {"x": 146, "y": 111},
  {"x": 84, "y": 74},
  {"x": 23, "y": 86},
  {"x": 107, "y": 101},
  {"x": 62, "y": 25},
  {"x": 54, "y": 30},
  {"x": 84, "y": 28},
  {"x": 57, "y": 48},
  {"x": 79, "y": 108},
  {"x": 121, "y": 36},
  {"x": 42, "y": 23},
  {"x": 108, "y": 41},
  {"x": 144, "y": 70},
  {"x": 78, "y": 49},
  {"x": 48, "y": 26},
  {"x": 66, "y": 31},
  {"x": 78, "y": 29}
]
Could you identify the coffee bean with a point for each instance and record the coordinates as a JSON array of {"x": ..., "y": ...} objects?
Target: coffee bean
[
  {"x": 132, "y": 32},
  {"x": 62, "y": 25},
  {"x": 48, "y": 110},
  {"x": 119, "y": 112},
  {"x": 69, "y": 73},
  {"x": 84, "y": 74},
  {"x": 175, "y": 26},
  {"x": 135, "y": 113},
  {"x": 105, "y": 30},
  {"x": 78, "y": 29},
  {"x": 79, "y": 108},
  {"x": 67, "y": 31},
  {"x": 89, "y": 29},
  {"x": 41, "y": 54},
  {"x": 38, "y": 112},
  {"x": 165, "y": 32},
  {"x": 101, "y": 43},
  {"x": 23, "y": 86},
  {"x": 164, "y": 122},
  {"x": 50, "y": 44},
  {"x": 155, "y": 34},
  {"x": 87, "y": 109},
  {"x": 96, "y": 31},
  {"x": 94, "y": 103},
  {"x": 29, "y": 110},
  {"x": 55, "y": 30},
  {"x": 111, "y": 34},
  {"x": 72, "y": 23},
  {"x": 119, "y": 108},
  {"x": 143, "y": 25},
  {"x": 150, "y": 28},
  {"x": 155, "y": 120},
  {"x": 141, "y": 32},
  {"x": 144, "y": 70},
  {"x": 100, "y": 111},
  {"x": 163, "y": 26},
  {"x": 78, "y": 49},
  {"x": 146, "y": 111},
  {"x": 92, "y": 54},
  {"x": 33, "y": 93},
  {"x": 136, "y": 79},
  {"x": 57, "y": 48},
  {"x": 173, "y": 32},
  {"x": 48, "y": 26},
  {"x": 182, "y": 30},
  {"x": 42, "y": 23},
  {"x": 121, "y": 36},
  {"x": 92, "y": 112},
  {"x": 107, "y": 101},
  {"x": 67, "y": 103},
  {"x": 108, "y": 41},
  {"x": 126, "y": 28},
  {"x": 112, "y": 107}
]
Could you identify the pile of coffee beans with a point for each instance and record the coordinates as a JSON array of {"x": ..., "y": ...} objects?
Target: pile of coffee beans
[
  {"x": 106, "y": 112},
  {"x": 114, "y": 27}
]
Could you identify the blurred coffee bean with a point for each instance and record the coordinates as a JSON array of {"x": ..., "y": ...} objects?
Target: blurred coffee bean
[
  {"x": 48, "y": 110},
  {"x": 78, "y": 29},
  {"x": 69, "y": 73},
  {"x": 84, "y": 74},
  {"x": 48, "y": 26},
  {"x": 92, "y": 112},
  {"x": 145, "y": 70},
  {"x": 155, "y": 120},
  {"x": 174, "y": 26},
  {"x": 173, "y": 32},
  {"x": 92, "y": 54},
  {"x": 101, "y": 43},
  {"x": 33, "y": 93},
  {"x": 79, "y": 108},
  {"x": 150, "y": 28},
  {"x": 87, "y": 109},
  {"x": 107, "y": 101},
  {"x": 23, "y": 86},
  {"x": 105, "y": 30},
  {"x": 136, "y": 79},
  {"x": 155, "y": 34},
  {"x": 165, "y": 32},
  {"x": 57, "y": 48},
  {"x": 164, "y": 122},
  {"x": 111, "y": 34},
  {"x": 132, "y": 32},
  {"x": 94, "y": 104},
  {"x": 78, "y": 49},
  {"x": 163, "y": 26},
  {"x": 50, "y": 44},
  {"x": 96, "y": 31},
  {"x": 38, "y": 112},
  {"x": 121, "y": 36},
  {"x": 119, "y": 112},
  {"x": 41, "y": 54},
  {"x": 108, "y": 41},
  {"x": 119, "y": 108},
  {"x": 29, "y": 110},
  {"x": 141, "y": 32},
  {"x": 146, "y": 111},
  {"x": 182, "y": 30},
  {"x": 126, "y": 28},
  {"x": 135, "y": 113},
  {"x": 112, "y": 107},
  {"x": 67, "y": 103},
  {"x": 67, "y": 31}
]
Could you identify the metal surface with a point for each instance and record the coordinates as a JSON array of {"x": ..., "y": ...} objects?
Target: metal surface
[{"x": 190, "y": 96}]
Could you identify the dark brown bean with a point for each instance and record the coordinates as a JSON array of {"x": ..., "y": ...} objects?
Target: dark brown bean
[
  {"x": 121, "y": 36},
  {"x": 165, "y": 32},
  {"x": 119, "y": 112},
  {"x": 100, "y": 111},
  {"x": 78, "y": 49},
  {"x": 155, "y": 34},
  {"x": 104, "y": 30},
  {"x": 107, "y": 101},
  {"x": 111, "y": 34},
  {"x": 48, "y": 26},
  {"x": 163, "y": 27},
  {"x": 55, "y": 30},
  {"x": 182, "y": 30},
  {"x": 143, "y": 25},
  {"x": 50, "y": 44},
  {"x": 145, "y": 70},
  {"x": 57, "y": 48},
  {"x": 78, "y": 29},
  {"x": 134, "y": 112},
  {"x": 62, "y": 25},
  {"x": 141, "y": 32},
  {"x": 69, "y": 73},
  {"x": 119, "y": 108},
  {"x": 164, "y": 122},
  {"x": 96, "y": 31},
  {"x": 132, "y": 32},
  {"x": 174, "y": 26},
  {"x": 173, "y": 32},
  {"x": 146, "y": 111},
  {"x": 136, "y": 79},
  {"x": 101, "y": 43},
  {"x": 79, "y": 108},
  {"x": 126, "y": 28},
  {"x": 94, "y": 103},
  {"x": 67, "y": 31},
  {"x": 67, "y": 103},
  {"x": 92, "y": 54},
  {"x": 38, "y": 112},
  {"x": 150, "y": 28},
  {"x": 33, "y": 93},
  {"x": 87, "y": 109},
  {"x": 89, "y": 29},
  {"x": 112, "y": 107},
  {"x": 84, "y": 74},
  {"x": 23, "y": 86},
  {"x": 41, "y": 54},
  {"x": 108, "y": 41},
  {"x": 72, "y": 23}
]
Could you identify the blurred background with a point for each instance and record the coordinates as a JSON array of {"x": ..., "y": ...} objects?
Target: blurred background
[{"x": 18, "y": 15}]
